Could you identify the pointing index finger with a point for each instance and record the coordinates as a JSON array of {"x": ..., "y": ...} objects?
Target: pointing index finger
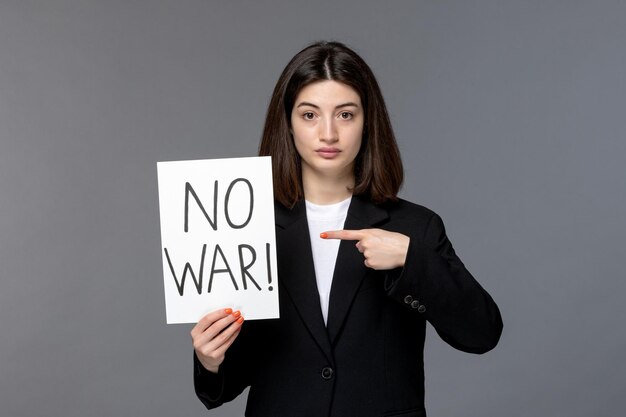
[{"x": 343, "y": 234}]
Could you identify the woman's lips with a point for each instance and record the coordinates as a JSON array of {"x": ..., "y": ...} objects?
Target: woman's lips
[{"x": 328, "y": 153}]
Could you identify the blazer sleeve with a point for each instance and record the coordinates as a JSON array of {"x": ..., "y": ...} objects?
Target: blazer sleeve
[
  {"x": 230, "y": 381},
  {"x": 435, "y": 283}
]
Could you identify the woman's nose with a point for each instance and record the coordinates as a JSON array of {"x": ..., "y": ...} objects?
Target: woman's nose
[{"x": 327, "y": 132}]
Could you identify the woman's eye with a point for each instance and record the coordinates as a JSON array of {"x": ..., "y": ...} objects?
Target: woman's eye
[
  {"x": 345, "y": 115},
  {"x": 308, "y": 116}
]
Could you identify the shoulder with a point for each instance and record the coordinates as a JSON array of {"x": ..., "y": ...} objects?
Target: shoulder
[
  {"x": 415, "y": 220},
  {"x": 404, "y": 208}
]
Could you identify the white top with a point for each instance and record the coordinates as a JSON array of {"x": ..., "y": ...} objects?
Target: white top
[{"x": 322, "y": 218}]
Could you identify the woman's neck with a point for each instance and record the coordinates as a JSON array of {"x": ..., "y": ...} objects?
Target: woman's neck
[{"x": 322, "y": 190}]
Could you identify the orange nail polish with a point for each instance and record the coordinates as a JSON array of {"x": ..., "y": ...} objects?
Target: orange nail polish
[
  {"x": 240, "y": 320},
  {"x": 323, "y": 235},
  {"x": 237, "y": 313},
  {"x": 228, "y": 310}
]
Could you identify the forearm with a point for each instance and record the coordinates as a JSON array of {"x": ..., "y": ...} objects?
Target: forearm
[{"x": 436, "y": 284}]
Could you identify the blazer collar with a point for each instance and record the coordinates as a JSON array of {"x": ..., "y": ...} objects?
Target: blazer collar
[
  {"x": 350, "y": 268},
  {"x": 297, "y": 273}
]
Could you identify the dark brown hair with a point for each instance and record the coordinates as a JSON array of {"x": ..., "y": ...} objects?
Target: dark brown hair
[{"x": 378, "y": 167}]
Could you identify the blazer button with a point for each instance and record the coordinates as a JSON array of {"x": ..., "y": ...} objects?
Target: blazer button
[
  {"x": 408, "y": 299},
  {"x": 421, "y": 308},
  {"x": 415, "y": 304},
  {"x": 327, "y": 373}
]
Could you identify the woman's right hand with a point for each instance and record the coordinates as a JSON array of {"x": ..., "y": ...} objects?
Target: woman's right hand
[{"x": 213, "y": 335}]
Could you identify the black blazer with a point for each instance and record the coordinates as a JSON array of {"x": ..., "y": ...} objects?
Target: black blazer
[{"x": 368, "y": 360}]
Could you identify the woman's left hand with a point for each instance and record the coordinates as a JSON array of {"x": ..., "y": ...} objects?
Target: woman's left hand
[{"x": 382, "y": 249}]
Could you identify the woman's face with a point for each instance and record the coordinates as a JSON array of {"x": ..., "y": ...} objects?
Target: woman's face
[{"x": 327, "y": 127}]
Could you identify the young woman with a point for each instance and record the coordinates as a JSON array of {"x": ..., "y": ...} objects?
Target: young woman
[{"x": 361, "y": 271}]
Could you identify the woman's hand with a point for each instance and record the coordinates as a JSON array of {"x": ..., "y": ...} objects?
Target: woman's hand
[
  {"x": 382, "y": 249},
  {"x": 213, "y": 335}
]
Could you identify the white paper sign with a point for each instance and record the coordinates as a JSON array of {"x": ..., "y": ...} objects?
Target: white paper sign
[{"x": 218, "y": 237}]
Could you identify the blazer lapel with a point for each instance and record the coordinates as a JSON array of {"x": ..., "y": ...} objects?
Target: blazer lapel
[
  {"x": 297, "y": 273},
  {"x": 349, "y": 268}
]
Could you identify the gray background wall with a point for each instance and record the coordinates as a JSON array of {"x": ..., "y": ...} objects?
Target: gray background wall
[{"x": 511, "y": 119}]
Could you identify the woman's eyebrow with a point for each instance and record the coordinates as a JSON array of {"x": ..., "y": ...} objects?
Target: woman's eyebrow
[{"x": 348, "y": 104}]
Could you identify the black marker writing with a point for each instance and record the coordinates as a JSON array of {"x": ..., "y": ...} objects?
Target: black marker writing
[
  {"x": 226, "y": 201},
  {"x": 181, "y": 285},
  {"x": 189, "y": 190},
  {"x": 269, "y": 266},
  {"x": 246, "y": 258},
  {"x": 227, "y": 269},
  {"x": 244, "y": 268}
]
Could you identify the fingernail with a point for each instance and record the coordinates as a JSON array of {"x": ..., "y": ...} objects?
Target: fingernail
[
  {"x": 237, "y": 313},
  {"x": 323, "y": 235},
  {"x": 228, "y": 310},
  {"x": 240, "y": 320}
]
